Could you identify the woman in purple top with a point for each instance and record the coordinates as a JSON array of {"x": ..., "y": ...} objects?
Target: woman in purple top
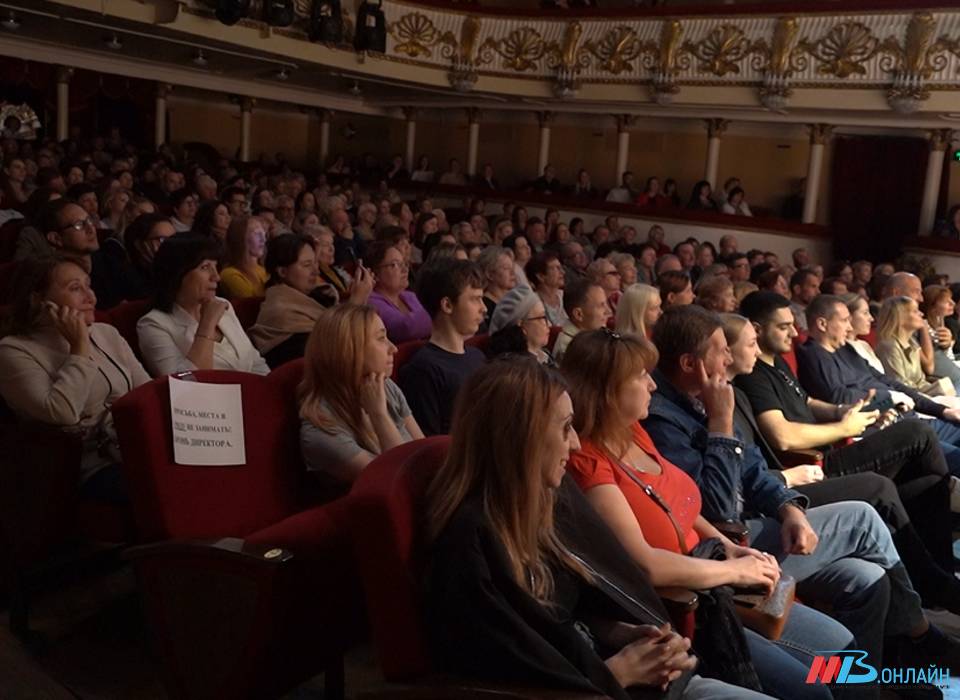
[{"x": 399, "y": 308}]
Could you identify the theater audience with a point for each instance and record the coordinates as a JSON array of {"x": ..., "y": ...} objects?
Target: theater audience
[
  {"x": 327, "y": 270},
  {"x": 587, "y": 310},
  {"x": 142, "y": 240},
  {"x": 620, "y": 470},
  {"x": 860, "y": 576},
  {"x": 401, "y": 311},
  {"x": 61, "y": 368},
  {"x": 212, "y": 220},
  {"x": 715, "y": 293},
  {"x": 184, "y": 206},
  {"x": 920, "y": 476},
  {"x": 701, "y": 198},
  {"x": 639, "y": 310},
  {"x": 937, "y": 306},
  {"x": 604, "y": 273},
  {"x": 626, "y": 266},
  {"x": 350, "y": 409},
  {"x": 498, "y": 275},
  {"x": 452, "y": 293},
  {"x": 519, "y": 325},
  {"x": 625, "y": 193},
  {"x": 190, "y": 327},
  {"x": 243, "y": 274},
  {"x": 898, "y": 349},
  {"x": 293, "y": 301},
  {"x": 651, "y": 196},
  {"x": 545, "y": 272},
  {"x": 804, "y": 286},
  {"x": 675, "y": 288},
  {"x": 32, "y": 240},
  {"x": 506, "y": 578},
  {"x": 736, "y": 203},
  {"x": 547, "y": 183}
]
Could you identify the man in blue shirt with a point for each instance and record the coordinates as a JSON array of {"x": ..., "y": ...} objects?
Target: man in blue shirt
[{"x": 841, "y": 554}]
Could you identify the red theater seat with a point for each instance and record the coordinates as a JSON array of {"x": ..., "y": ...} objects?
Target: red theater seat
[
  {"x": 245, "y": 564},
  {"x": 386, "y": 507},
  {"x": 247, "y": 310},
  {"x": 405, "y": 351},
  {"x": 124, "y": 317}
]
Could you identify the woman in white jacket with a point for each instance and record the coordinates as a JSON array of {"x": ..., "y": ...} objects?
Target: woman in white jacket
[{"x": 190, "y": 327}]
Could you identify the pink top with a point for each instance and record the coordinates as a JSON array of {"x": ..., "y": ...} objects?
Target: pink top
[{"x": 402, "y": 326}]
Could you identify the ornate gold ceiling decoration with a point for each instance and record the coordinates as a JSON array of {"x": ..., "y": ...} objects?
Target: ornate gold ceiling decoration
[
  {"x": 521, "y": 49},
  {"x": 722, "y": 50},
  {"x": 416, "y": 36},
  {"x": 843, "y": 50},
  {"x": 617, "y": 49}
]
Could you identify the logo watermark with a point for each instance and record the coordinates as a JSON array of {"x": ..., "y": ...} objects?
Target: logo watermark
[{"x": 850, "y": 667}]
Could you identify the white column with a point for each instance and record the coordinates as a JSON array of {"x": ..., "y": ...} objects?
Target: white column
[
  {"x": 246, "y": 110},
  {"x": 473, "y": 143},
  {"x": 410, "y": 114},
  {"x": 63, "y": 102},
  {"x": 819, "y": 135},
  {"x": 543, "y": 155},
  {"x": 938, "y": 140},
  {"x": 624, "y": 122},
  {"x": 325, "y": 116},
  {"x": 160, "y": 123},
  {"x": 715, "y": 129}
]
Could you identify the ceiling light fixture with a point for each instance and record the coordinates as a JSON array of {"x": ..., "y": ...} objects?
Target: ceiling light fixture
[
  {"x": 199, "y": 59},
  {"x": 282, "y": 74},
  {"x": 114, "y": 43},
  {"x": 355, "y": 89},
  {"x": 10, "y": 22}
]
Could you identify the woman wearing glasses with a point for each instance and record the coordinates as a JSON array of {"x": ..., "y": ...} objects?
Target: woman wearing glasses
[
  {"x": 62, "y": 369},
  {"x": 519, "y": 325},
  {"x": 403, "y": 315}
]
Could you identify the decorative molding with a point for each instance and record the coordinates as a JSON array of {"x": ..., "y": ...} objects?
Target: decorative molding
[
  {"x": 819, "y": 133},
  {"x": 721, "y": 51},
  {"x": 939, "y": 139},
  {"x": 716, "y": 127},
  {"x": 625, "y": 122},
  {"x": 418, "y": 36},
  {"x": 545, "y": 119}
]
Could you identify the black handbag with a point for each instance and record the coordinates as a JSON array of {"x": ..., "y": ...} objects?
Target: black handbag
[
  {"x": 326, "y": 22},
  {"x": 371, "y": 31},
  {"x": 278, "y": 13}
]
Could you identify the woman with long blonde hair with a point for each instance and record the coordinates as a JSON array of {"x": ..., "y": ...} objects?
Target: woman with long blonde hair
[
  {"x": 350, "y": 409},
  {"x": 638, "y": 310},
  {"x": 899, "y": 320},
  {"x": 517, "y": 555}
]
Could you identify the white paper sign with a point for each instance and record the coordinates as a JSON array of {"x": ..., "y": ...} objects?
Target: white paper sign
[{"x": 207, "y": 423}]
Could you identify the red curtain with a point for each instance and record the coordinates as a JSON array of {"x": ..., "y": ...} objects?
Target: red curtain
[{"x": 876, "y": 193}]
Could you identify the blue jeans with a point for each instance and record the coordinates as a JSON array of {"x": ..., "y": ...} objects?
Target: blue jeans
[
  {"x": 855, "y": 570},
  {"x": 949, "y": 435},
  {"x": 701, "y": 688},
  {"x": 783, "y": 665}
]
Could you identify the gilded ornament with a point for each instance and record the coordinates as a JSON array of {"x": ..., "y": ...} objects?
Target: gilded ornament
[
  {"x": 520, "y": 49},
  {"x": 844, "y": 49},
  {"x": 920, "y": 55},
  {"x": 416, "y": 35},
  {"x": 819, "y": 133},
  {"x": 469, "y": 31},
  {"x": 617, "y": 49},
  {"x": 721, "y": 51}
]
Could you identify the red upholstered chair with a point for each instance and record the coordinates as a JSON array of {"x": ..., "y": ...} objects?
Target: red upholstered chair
[
  {"x": 405, "y": 351},
  {"x": 554, "y": 332},
  {"x": 124, "y": 317},
  {"x": 45, "y": 528},
  {"x": 480, "y": 342},
  {"x": 245, "y": 564},
  {"x": 247, "y": 310},
  {"x": 871, "y": 337},
  {"x": 386, "y": 504}
]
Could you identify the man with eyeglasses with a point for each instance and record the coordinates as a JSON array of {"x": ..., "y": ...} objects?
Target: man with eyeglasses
[
  {"x": 70, "y": 231},
  {"x": 236, "y": 200},
  {"x": 739, "y": 266}
]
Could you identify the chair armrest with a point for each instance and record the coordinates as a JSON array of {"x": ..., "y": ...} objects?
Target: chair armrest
[
  {"x": 734, "y": 530},
  {"x": 794, "y": 458},
  {"x": 226, "y": 548}
]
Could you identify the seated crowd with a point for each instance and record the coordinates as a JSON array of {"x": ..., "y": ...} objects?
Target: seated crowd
[{"x": 680, "y": 389}]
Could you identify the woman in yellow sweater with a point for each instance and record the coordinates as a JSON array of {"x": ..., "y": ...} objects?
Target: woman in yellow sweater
[{"x": 244, "y": 275}]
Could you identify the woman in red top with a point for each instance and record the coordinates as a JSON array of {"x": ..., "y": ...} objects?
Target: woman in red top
[{"x": 610, "y": 384}]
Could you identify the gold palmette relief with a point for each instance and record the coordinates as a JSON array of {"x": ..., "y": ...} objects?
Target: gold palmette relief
[
  {"x": 721, "y": 51},
  {"x": 919, "y": 56},
  {"x": 617, "y": 49},
  {"x": 416, "y": 35},
  {"x": 521, "y": 49},
  {"x": 843, "y": 50}
]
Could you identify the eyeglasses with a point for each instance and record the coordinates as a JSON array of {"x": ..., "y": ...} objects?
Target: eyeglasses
[
  {"x": 79, "y": 225},
  {"x": 536, "y": 318}
]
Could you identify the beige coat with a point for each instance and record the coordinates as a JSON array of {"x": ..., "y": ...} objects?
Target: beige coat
[{"x": 42, "y": 381}]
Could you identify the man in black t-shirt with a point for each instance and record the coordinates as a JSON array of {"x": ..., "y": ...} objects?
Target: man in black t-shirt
[
  {"x": 452, "y": 293},
  {"x": 790, "y": 419}
]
